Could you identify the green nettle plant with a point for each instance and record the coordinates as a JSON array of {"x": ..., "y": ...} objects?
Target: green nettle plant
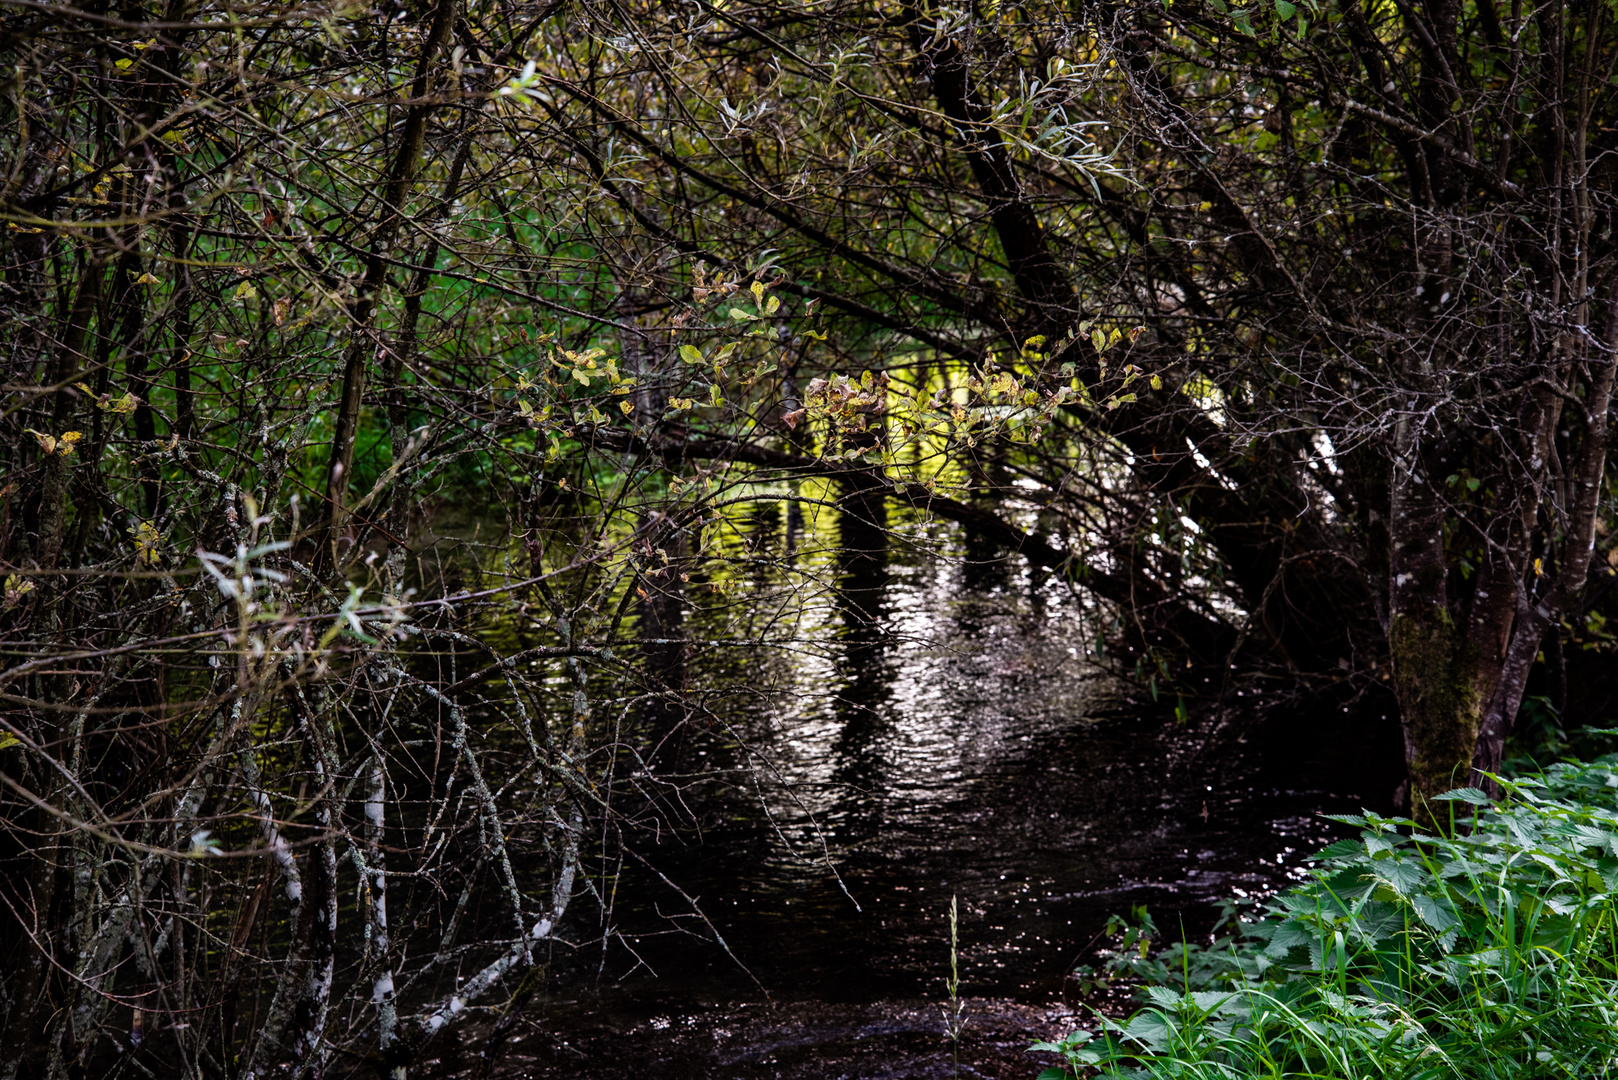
[{"x": 1487, "y": 948}]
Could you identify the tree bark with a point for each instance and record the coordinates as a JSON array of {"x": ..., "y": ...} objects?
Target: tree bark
[{"x": 361, "y": 344}]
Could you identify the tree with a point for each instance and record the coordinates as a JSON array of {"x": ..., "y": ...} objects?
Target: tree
[
  {"x": 302, "y": 765},
  {"x": 1370, "y": 248},
  {"x": 1287, "y": 332}
]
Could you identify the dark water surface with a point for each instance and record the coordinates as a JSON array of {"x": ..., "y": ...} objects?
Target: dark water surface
[{"x": 940, "y": 730}]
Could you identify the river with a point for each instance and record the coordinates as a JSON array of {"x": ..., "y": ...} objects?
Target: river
[{"x": 939, "y": 728}]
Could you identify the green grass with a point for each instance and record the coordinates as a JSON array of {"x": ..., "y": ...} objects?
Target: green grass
[{"x": 1488, "y": 951}]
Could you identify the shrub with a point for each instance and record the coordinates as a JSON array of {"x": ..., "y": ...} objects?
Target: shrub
[{"x": 1488, "y": 951}]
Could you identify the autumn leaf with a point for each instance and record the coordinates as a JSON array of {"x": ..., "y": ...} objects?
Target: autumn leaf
[
  {"x": 17, "y": 587},
  {"x": 147, "y": 541}
]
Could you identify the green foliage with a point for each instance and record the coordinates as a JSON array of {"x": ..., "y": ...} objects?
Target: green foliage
[{"x": 1487, "y": 951}]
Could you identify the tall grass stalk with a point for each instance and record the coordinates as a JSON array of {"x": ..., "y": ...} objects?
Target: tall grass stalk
[
  {"x": 955, "y": 1010},
  {"x": 1486, "y": 949}
]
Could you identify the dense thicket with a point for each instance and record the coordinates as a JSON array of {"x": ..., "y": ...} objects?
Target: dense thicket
[{"x": 1287, "y": 333}]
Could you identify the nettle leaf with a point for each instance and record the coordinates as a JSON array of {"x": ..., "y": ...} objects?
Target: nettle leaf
[
  {"x": 1436, "y": 912},
  {"x": 1403, "y": 875},
  {"x": 1210, "y": 1000},
  {"x": 1288, "y": 936},
  {"x": 1162, "y": 995},
  {"x": 1341, "y": 849},
  {"x": 1152, "y": 1029}
]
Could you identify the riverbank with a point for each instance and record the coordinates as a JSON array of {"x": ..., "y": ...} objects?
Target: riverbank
[{"x": 1480, "y": 943}]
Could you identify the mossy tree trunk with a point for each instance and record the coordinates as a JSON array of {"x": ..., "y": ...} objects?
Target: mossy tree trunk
[{"x": 1463, "y": 636}]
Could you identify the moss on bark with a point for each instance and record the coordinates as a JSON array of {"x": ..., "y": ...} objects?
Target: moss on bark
[{"x": 1437, "y": 682}]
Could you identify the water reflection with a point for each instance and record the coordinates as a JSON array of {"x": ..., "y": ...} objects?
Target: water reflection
[
  {"x": 662, "y": 622},
  {"x": 923, "y": 721},
  {"x": 866, "y": 667}
]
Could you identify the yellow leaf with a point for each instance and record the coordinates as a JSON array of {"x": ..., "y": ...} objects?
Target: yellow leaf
[
  {"x": 1205, "y": 207},
  {"x": 147, "y": 541},
  {"x": 123, "y": 65},
  {"x": 17, "y": 587},
  {"x": 626, "y": 406},
  {"x": 245, "y": 291},
  {"x": 68, "y": 440},
  {"x": 126, "y": 404},
  {"x": 1539, "y": 568},
  {"x": 758, "y": 293},
  {"x": 8, "y": 740},
  {"x": 147, "y": 279},
  {"x": 1157, "y": 382}
]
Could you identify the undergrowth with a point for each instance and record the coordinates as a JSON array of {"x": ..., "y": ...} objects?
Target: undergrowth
[{"x": 1487, "y": 951}]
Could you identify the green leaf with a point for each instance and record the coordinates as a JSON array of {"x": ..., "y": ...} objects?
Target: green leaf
[
  {"x": 1285, "y": 10},
  {"x": 691, "y": 354},
  {"x": 1466, "y": 794},
  {"x": 1162, "y": 995},
  {"x": 740, "y": 315}
]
